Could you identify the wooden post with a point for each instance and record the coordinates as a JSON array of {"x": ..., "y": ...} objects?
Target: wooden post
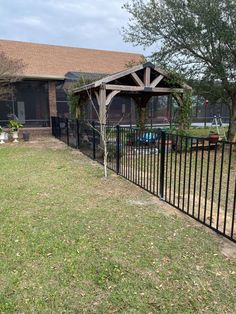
[
  {"x": 102, "y": 105},
  {"x": 103, "y": 121},
  {"x": 142, "y": 116},
  {"x": 142, "y": 103},
  {"x": 147, "y": 77},
  {"x": 132, "y": 111}
]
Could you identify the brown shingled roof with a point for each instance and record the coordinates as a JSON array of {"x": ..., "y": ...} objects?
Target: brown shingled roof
[{"x": 43, "y": 60}]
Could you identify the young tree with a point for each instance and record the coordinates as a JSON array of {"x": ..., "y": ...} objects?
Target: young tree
[
  {"x": 10, "y": 72},
  {"x": 77, "y": 107},
  {"x": 196, "y": 38}
]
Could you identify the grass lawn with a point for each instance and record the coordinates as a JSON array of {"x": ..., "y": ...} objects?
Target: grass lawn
[
  {"x": 203, "y": 131},
  {"x": 72, "y": 242}
]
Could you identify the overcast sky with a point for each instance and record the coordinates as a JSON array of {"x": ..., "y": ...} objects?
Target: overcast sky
[{"x": 79, "y": 23}]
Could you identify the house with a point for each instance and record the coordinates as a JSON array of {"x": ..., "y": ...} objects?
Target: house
[{"x": 40, "y": 94}]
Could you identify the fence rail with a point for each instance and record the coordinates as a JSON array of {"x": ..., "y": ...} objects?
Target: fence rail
[{"x": 196, "y": 175}]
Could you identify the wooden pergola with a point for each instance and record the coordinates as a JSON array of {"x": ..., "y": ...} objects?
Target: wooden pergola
[{"x": 141, "y": 82}]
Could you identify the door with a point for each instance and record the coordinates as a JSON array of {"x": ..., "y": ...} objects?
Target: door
[{"x": 21, "y": 111}]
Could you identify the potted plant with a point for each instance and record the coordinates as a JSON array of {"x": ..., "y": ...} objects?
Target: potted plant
[
  {"x": 2, "y": 137},
  {"x": 14, "y": 125},
  {"x": 213, "y": 137},
  {"x": 130, "y": 136}
]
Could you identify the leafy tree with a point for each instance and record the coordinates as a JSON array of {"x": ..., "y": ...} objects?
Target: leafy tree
[
  {"x": 196, "y": 38},
  {"x": 10, "y": 72}
]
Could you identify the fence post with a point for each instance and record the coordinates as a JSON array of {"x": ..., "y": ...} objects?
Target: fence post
[
  {"x": 53, "y": 126},
  {"x": 94, "y": 141},
  {"x": 117, "y": 149},
  {"x": 162, "y": 164},
  {"x": 77, "y": 133},
  {"x": 67, "y": 131},
  {"x": 59, "y": 128}
]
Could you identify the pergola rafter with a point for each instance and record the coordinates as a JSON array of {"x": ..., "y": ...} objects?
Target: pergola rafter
[{"x": 140, "y": 82}]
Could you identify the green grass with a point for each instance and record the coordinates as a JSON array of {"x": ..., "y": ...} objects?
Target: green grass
[
  {"x": 72, "y": 242},
  {"x": 203, "y": 132}
]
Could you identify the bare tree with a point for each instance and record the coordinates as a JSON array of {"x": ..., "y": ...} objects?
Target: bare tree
[
  {"x": 102, "y": 116},
  {"x": 10, "y": 72},
  {"x": 104, "y": 132}
]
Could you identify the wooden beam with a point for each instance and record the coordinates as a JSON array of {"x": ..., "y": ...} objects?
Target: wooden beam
[
  {"x": 157, "y": 80},
  {"x": 162, "y": 72},
  {"x": 111, "y": 96},
  {"x": 167, "y": 90},
  {"x": 128, "y": 88},
  {"x": 83, "y": 88},
  {"x": 137, "y": 79},
  {"x": 147, "y": 76},
  {"x": 119, "y": 75}
]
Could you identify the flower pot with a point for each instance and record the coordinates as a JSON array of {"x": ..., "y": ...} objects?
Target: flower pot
[
  {"x": 130, "y": 143},
  {"x": 15, "y": 136},
  {"x": 26, "y": 136},
  {"x": 2, "y": 138},
  {"x": 213, "y": 138}
]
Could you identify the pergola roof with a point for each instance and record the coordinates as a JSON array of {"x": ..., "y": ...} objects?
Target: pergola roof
[
  {"x": 141, "y": 82},
  {"x": 141, "y": 78}
]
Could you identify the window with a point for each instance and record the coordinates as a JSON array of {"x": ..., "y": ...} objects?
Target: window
[
  {"x": 6, "y": 108},
  {"x": 31, "y": 102},
  {"x": 62, "y": 101}
]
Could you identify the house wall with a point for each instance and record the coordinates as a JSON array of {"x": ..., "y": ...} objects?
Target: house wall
[
  {"x": 62, "y": 100},
  {"x": 42, "y": 99},
  {"x": 38, "y": 100},
  {"x": 52, "y": 98}
]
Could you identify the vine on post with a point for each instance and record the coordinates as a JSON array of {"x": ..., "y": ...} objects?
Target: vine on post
[
  {"x": 74, "y": 99},
  {"x": 183, "y": 118}
]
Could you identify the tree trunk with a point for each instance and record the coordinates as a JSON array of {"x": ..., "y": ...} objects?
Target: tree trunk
[
  {"x": 105, "y": 159},
  {"x": 103, "y": 134},
  {"x": 232, "y": 123}
]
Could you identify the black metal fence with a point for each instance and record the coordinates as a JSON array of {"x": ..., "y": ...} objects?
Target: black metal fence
[{"x": 195, "y": 175}]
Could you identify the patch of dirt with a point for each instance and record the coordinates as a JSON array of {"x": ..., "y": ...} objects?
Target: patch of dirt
[
  {"x": 44, "y": 142},
  {"x": 228, "y": 249},
  {"x": 155, "y": 203},
  {"x": 143, "y": 202}
]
